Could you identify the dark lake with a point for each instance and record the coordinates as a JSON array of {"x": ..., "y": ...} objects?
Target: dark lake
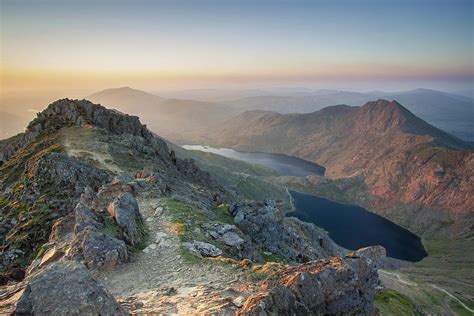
[
  {"x": 354, "y": 227},
  {"x": 283, "y": 164}
]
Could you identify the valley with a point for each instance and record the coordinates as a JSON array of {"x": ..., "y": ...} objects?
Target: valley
[{"x": 447, "y": 264}]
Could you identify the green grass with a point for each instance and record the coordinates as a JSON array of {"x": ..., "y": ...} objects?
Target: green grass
[
  {"x": 11, "y": 170},
  {"x": 272, "y": 258},
  {"x": 188, "y": 256},
  {"x": 466, "y": 301},
  {"x": 458, "y": 309},
  {"x": 390, "y": 302},
  {"x": 188, "y": 219},
  {"x": 222, "y": 214},
  {"x": 31, "y": 231},
  {"x": 449, "y": 265},
  {"x": 257, "y": 276},
  {"x": 110, "y": 227}
]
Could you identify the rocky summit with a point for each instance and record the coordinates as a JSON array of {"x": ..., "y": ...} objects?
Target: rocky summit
[{"x": 99, "y": 216}]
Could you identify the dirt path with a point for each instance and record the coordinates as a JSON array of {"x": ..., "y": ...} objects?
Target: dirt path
[
  {"x": 397, "y": 277},
  {"x": 159, "y": 280},
  {"x": 104, "y": 159},
  {"x": 453, "y": 297}
]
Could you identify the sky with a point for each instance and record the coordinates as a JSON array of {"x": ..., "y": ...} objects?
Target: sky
[{"x": 79, "y": 47}]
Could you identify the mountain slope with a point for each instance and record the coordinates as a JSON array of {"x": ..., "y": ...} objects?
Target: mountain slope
[
  {"x": 415, "y": 174},
  {"x": 444, "y": 110},
  {"x": 167, "y": 117}
]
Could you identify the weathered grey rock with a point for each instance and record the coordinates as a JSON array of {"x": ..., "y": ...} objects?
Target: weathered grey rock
[
  {"x": 65, "y": 174},
  {"x": 50, "y": 256},
  {"x": 232, "y": 239},
  {"x": 202, "y": 248},
  {"x": 63, "y": 288},
  {"x": 85, "y": 218},
  {"x": 88, "y": 196},
  {"x": 225, "y": 228},
  {"x": 98, "y": 250},
  {"x": 288, "y": 238},
  {"x": 337, "y": 286},
  {"x": 63, "y": 228},
  {"x": 124, "y": 209}
]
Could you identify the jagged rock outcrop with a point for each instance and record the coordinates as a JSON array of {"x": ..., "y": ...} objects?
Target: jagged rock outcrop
[
  {"x": 124, "y": 209},
  {"x": 47, "y": 189},
  {"x": 85, "y": 218},
  {"x": 337, "y": 286},
  {"x": 268, "y": 227},
  {"x": 67, "y": 176},
  {"x": 61, "y": 288},
  {"x": 66, "y": 112},
  {"x": 91, "y": 243},
  {"x": 98, "y": 249}
]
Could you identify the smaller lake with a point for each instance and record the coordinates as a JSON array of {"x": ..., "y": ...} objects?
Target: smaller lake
[
  {"x": 283, "y": 164},
  {"x": 354, "y": 227}
]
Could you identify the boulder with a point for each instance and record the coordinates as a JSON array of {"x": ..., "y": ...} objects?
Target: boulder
[
  {"x": 62, "y": 288},
  {"x": 98, "y": 249},
  {"x": 232, "y": 239},
  {"x": 202, "y": 248},
  {"x": 124, "y": 209}
]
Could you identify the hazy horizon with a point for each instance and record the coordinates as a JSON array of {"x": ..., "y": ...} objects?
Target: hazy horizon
[
  {"x": 77, "y": 48},
  {"x": 57, "y": 49}
]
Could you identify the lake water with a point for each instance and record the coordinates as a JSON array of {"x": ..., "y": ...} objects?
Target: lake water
[
  {"x": 354, "y": 227},
  {"x": 283, "y": 164},
  {"x": 348, "y": 225}
]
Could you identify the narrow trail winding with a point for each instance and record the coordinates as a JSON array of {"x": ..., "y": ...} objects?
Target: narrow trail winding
[
  {"x": 453, "y": 297},
  {"x": 159, "y": 280}
]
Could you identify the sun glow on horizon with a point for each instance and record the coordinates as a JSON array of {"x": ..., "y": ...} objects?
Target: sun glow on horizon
[{"x": 86, "y": 45}]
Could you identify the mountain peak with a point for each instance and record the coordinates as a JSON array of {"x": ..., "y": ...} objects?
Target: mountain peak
[
  {"x": 383, "y": 103},
  {"x": 67, "y": 112},
  {"x": 121, "y": 92}
]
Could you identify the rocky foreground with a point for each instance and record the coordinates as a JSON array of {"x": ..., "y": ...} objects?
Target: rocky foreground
[{"x": 99, "y": 217}]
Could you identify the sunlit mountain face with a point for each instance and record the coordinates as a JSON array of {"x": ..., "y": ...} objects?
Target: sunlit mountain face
[{"x": 236, "y": 157}]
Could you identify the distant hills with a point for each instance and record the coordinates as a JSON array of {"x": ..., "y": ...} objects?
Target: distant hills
[
  {"x": 172, "y": 114},
  {"x": 438, "y": 108},
  {"x": 168, "y": 117},
  {"x": 409, "y": 171},
  {"x": 453, "y": 113}
]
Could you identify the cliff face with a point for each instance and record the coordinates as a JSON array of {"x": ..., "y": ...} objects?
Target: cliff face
[
  {"x": 90, "y": 196},
  {"x": 404, "y": 162}
]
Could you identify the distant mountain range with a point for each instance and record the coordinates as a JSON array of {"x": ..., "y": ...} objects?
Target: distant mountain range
[
  {"x": 439, "y": 108},
  {"x": 175, "y": 113},
  {"x": 409, "y": 171},
  {"x": 450, "y": 112}
]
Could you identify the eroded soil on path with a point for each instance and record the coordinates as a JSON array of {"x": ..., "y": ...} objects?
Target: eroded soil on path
[{"x": 160, "y": 279}]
